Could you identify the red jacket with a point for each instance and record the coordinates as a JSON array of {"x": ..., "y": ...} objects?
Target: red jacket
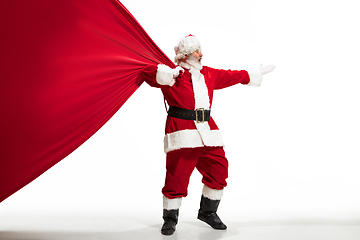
[{"x": 194, "y": 89}]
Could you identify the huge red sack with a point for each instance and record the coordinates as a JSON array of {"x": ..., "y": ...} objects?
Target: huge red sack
[{"x": 66, "y": 67}]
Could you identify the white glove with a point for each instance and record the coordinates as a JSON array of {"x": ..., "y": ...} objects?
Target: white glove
[
  {"x": 177, "y": 71},
  {"x": 266, "y": 69}
]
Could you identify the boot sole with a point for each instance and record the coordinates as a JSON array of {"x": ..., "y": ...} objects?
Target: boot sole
[
  {"x": 167, "y": 233},
  {"x": 220, "y": 227}
]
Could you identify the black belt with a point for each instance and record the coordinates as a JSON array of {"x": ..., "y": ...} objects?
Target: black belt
[{"x": 199, "y": 115}]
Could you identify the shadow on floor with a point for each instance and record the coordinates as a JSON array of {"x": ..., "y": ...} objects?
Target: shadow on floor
[
  {"x": 194, "y": 230},
  {"x": 184, "y": 231}
]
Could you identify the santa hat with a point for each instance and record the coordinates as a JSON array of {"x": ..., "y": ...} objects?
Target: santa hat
[{"x": 186, "y": 46}]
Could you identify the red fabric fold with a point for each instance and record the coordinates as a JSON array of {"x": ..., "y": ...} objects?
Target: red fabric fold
[{"x": 66, "y": 68}]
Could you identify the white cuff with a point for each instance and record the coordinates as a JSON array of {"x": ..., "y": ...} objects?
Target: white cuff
[
  {"x": 212, "y": 194},
  {"x": 171, "y": 204},
  {"x": 165, "y": 75},
  {"x": 255, "y": 77}
]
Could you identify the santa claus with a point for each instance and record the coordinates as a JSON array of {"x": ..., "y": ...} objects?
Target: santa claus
[{"x": 192, "y": 139}]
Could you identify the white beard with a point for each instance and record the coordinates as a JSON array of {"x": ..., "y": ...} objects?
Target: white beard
[{"x": 194, "y": 62}]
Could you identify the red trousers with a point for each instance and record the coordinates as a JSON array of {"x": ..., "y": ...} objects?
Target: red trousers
[{"x": 209, "y": 161}]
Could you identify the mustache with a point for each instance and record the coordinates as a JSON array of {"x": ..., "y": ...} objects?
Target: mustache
[{"x": 194, "y": 59}]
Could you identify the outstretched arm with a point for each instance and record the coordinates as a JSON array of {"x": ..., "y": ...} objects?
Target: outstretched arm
[{"x": 253, "y": 77}]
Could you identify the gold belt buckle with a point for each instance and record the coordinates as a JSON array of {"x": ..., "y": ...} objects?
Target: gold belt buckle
[{"x": 203, "y": 115}]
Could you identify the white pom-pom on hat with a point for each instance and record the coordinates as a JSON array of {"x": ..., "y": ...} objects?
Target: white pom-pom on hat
[{"x": 186, "y": 46}]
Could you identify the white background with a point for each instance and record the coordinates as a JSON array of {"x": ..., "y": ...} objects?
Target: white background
[{"x": 292, "y": 144}]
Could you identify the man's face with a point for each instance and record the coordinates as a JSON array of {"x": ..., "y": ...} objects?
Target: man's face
[{"x": 196, "y": 56}]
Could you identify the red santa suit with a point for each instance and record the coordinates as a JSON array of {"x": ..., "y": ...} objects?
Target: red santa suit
[
  {"x": 193, "y": 140},
  {"x": 189, "y": 144}
]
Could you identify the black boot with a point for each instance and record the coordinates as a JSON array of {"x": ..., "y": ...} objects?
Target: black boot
[
  {"x": 207, "y": 213},
  {"x": 170, "y": 220}
]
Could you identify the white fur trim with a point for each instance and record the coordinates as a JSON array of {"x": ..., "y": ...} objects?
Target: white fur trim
[
  {"x": 186, "y": 46},
  {"x": 212, "y": 194},
  {"x": 202, "y": 100},
  {"x": 170, "y": 204},
  {"x": 182, "y": 139},
  {"x": 191, "y": 138},
  {"x": 200, "y": 89},
  {"x": 209, "y": 137},
  {"x": 165, "y": 75},
  {"x": 255, "y": 77}
]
